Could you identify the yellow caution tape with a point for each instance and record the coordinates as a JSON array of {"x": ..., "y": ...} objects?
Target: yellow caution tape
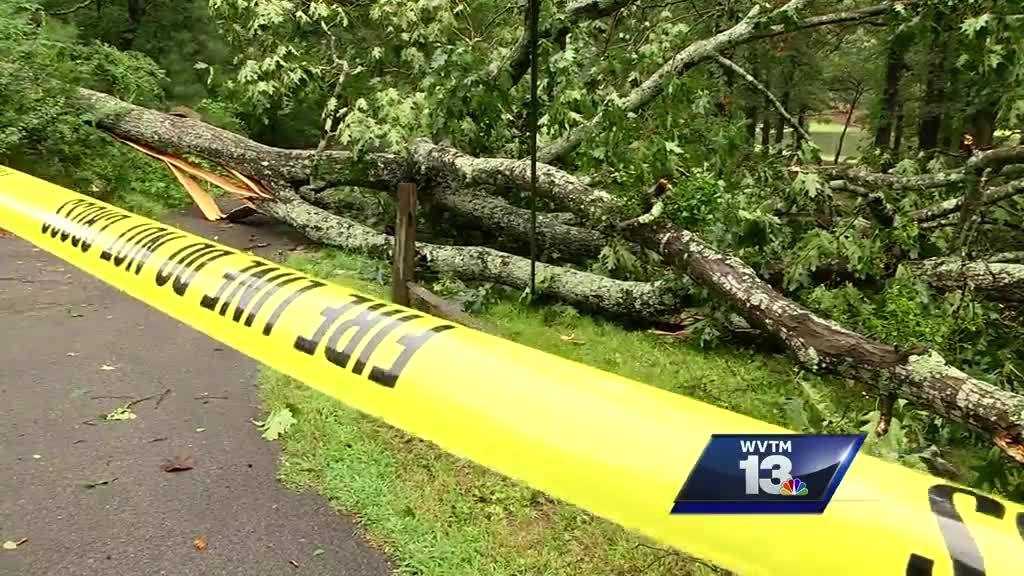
[{"x": 614, "y": 447}]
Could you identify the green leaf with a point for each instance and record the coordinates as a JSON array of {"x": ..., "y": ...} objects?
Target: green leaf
[
  {"x": 121, "y": 413},
  {"x": 971, "y": 26},
  {"x": 277, "y": 423}
]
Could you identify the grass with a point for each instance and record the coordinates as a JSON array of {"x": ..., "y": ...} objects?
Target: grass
[
  {"x": 439, "y": 515},
  {"x": 826, "y": 136},
  {"x": 436, "y": 514}
]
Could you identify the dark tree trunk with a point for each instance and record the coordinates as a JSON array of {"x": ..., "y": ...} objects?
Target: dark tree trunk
[
  {"x": 983, "y": 126},
  {"x": 780, "y": 121},
  {"x": 801, "y": 119},
  {"x": 751, "y": 113},
  {"x": 895, "y": 66},
  {"x": 935, "y": 87},
  {"x": 897, "y": 138},
  {"x": 136, "y": 10},
  {"x": 766, "y": 125}
]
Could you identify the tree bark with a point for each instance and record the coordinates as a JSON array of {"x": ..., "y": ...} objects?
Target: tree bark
[
  {"x": 766, "y": 126},
  {"x": 935, "y": 86},
  {"x": 780, "y": 122},
  {"x": 995, "y": 280},
  {"x": 895, "y": 65},
  {"x": 557, "y": 240},
  {"x": 983, "y": 126},
  {"x": 651, "y": 301},
  {"x": 897, "y": 136}
]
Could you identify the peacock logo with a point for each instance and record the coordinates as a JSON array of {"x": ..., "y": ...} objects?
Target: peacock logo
[{"x": 793, "y": 487}]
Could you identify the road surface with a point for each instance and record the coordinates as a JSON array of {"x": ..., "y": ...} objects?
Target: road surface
[{"x": 66, "y": 339}]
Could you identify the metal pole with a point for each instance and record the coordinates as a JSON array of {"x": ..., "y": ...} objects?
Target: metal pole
[{"x": 534, "y": 8}]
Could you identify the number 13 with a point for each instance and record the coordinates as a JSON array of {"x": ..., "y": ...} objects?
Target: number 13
[{"x": 780, "y": 466}]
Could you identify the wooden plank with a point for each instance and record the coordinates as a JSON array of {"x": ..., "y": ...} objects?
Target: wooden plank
[{"x": 403, "y": 264}]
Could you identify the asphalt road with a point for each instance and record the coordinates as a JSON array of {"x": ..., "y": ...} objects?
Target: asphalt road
[{"x": 66, "y": 339}]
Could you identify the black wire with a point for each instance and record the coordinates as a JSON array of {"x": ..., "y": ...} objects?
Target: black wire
[{"x": 534, "y": 8}]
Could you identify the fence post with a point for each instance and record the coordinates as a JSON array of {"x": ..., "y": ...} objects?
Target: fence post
[{"x": 403, "y": 265}]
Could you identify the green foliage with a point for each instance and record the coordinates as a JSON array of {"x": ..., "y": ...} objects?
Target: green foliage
[
  {"x": 278, "y": 422},
  {"x": 42, "y": 132},
  {"x": 626, "y": 260},
  {"x": 905, "y": 312}
]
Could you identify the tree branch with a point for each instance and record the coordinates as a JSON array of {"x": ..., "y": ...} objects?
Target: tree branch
[
  {"x": 996, "y": 280},
  {"x": 881, "y": 211},
  {"x": 767, "y": 94},
  {"x": 70, "y": 9},
  {"x": 746, "y": 30},
  {"x": 858, "y": 15},
  {"x": 946, "y": 207},
  {"x": 651, "y": 301},
  {"x": 977, "y": 173}
]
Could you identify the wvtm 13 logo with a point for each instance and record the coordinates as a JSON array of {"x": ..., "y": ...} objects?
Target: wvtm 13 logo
[{"x": 767, "y": 474}]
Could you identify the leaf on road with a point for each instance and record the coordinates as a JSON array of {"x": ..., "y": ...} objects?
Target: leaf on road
[
  {"x": 12, "y": 545},
  {"x": 277, "y": 423},
  {"x": 108, "y": 367},
  {"x": 199, "y": 543},
  {"x": 179, "y": 463},
  {"x": 100, "y": 482},
  {"x": 200, "y": 429},
  {"x": 571, "y": 338},
  {"x": 318, "y": 551},
  {"x": 121, "y": 413}
]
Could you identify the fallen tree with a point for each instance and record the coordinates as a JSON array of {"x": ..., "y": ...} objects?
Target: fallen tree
[{"x": 920, "y": 376}]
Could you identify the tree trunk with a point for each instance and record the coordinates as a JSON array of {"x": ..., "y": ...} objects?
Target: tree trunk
[
  {"x": 995, "y": 280},
  {"x": 766, "y": 125},
  {"x": 935, "y": 87},
  {"x": 653, "y": 301},
  {"x": 897, "y": 138},
  {"x": 750, "y": 112},
  {"x": 983, "y": 126},
  {"x": 801, "y": 121},
  {"x": 895, "y": 65},
  {"x": 780, "y": 120},
  {"x": 846, "y": 124}
]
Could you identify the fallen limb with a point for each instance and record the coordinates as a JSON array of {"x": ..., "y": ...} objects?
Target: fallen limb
[
  {"x": 996, "y": 280},
  {"x": 640, "y": 300},
  {"x": 561, "y": 242},
  {"x": 431, "y": 303},
  {"x": 881, "y": 211},
  {"x": 952, "y": 206},
  {"x": 978, "y": 171}
]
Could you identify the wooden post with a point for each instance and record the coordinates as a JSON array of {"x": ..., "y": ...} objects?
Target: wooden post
[{"x": 403, "y": 264}]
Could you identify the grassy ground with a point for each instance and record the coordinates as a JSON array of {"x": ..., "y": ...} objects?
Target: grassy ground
[
  {"x": 826, "y": 136},
  {"x": 438, "y": 515}
]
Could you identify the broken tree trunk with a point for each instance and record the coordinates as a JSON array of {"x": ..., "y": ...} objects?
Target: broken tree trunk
[{"x": 923, "y": 378}]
